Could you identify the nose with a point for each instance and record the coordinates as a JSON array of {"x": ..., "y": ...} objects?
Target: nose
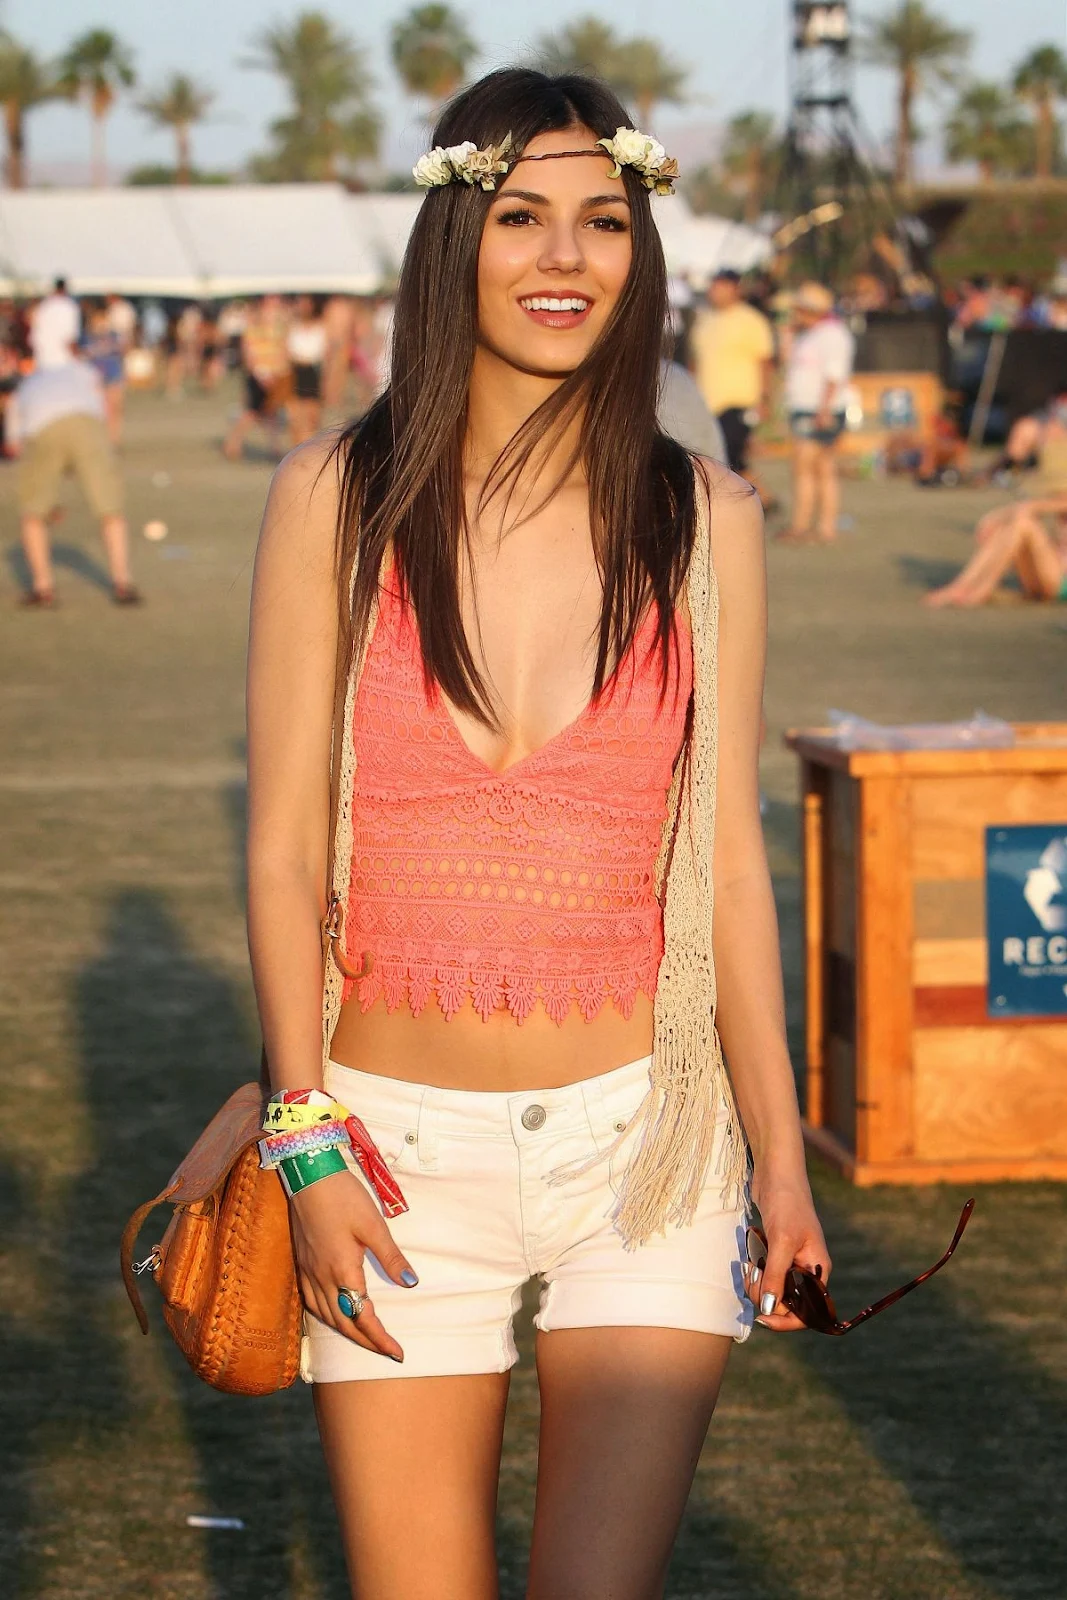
[{"x": 562, "y": 249}]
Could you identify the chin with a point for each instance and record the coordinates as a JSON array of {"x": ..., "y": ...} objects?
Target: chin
[{"x": 554, "y": 357}]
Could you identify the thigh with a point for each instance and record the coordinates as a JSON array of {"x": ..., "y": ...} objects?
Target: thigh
[
  {"x": 1036, "y": 558},
  {"x": 40, "y": 473},
  {"x": 413, "y": 1465},
  {"x": 624, "y": 1413},
  {"x": 97, "y": 470}
]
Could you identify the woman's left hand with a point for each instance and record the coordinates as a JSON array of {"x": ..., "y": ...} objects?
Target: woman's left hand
[{"x": 794, "y": 1238}]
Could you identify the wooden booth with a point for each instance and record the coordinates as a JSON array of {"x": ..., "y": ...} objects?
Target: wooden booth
[{"x": 935, "y": 923}]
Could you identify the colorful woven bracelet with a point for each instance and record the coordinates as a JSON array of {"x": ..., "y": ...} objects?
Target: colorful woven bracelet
[
  {"x": 300, "y": 1172},
  {"x": 274, "y": 1149},
  {"x": 300, "y": 1108}
]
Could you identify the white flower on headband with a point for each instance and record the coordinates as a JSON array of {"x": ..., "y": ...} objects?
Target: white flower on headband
[
  {"x": 463, "y": 162},
  {"x": 657, "y": 170}
]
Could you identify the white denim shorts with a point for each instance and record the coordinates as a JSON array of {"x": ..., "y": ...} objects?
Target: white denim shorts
[{"x": 484, "y": 1218}]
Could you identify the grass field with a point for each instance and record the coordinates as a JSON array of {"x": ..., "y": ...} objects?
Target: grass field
[{"x": 922, "y": 1459}]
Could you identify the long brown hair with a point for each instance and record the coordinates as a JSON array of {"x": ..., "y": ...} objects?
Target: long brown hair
[{"x": 402, "y": 464}]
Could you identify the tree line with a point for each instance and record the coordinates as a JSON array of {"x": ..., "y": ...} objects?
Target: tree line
[{"x": 332, "y": 121}]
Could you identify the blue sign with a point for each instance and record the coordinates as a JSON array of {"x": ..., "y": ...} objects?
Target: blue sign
[{"x": 1026, "y": 920}]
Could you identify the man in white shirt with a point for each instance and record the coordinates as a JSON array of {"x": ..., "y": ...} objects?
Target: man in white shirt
[
  {"x": 55, "y": 327},
  {"x": 816, "y": 386},
  {"x": 55, "y": 423}
]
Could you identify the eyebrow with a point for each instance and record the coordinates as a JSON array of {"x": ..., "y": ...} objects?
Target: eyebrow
[{"x": 543, "y": 200}]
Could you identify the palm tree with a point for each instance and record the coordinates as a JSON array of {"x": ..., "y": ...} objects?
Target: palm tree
[
  {"x": 25, "y": 81},
  {"x": 97, "y": 66},
  {"x": 985, "y": 127},
  {"x": 750, "y": 155},
  {"x": 1042, "y": 79},
  {"x": 331, "y": 122},
  {"x": 643, "y": 73},
  {"x": 924, "y": 51},
  {"x": 179, "y": 104},
  {"x": 587, "y": 45},
  {"x": 431, "y": 51}
]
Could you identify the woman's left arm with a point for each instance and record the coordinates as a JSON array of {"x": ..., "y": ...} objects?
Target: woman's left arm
[{"x": 751, "y": 1005}]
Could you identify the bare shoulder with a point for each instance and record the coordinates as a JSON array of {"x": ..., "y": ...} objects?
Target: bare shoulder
[
  {"x": 734, "y": 517},
  {"x": 305, "y": 488}
]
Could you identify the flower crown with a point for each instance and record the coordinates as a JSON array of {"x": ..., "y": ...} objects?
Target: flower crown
[{"x": 465, "y": 163}]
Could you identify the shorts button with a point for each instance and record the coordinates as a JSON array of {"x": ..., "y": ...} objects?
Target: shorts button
[
  {"x": 620, "y": 1126},
  {"x": 409, "y": 1138},
  {"x": 534, "y": 1117}
]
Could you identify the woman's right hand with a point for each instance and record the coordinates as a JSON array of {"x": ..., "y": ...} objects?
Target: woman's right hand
[{"x": 334, "y": 1223}]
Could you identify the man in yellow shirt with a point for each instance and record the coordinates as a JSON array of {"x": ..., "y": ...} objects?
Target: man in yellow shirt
[{"x": 732, "y": 348}]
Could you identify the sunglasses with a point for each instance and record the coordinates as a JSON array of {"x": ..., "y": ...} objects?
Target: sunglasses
[{"x": 808, "y": 1298}]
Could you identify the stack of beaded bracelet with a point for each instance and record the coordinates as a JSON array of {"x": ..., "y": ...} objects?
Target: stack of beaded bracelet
[{"x": 306, "y": 1132}]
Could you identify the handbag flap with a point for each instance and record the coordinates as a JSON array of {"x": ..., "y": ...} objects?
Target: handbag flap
[{"x": 237, "y": 1125}]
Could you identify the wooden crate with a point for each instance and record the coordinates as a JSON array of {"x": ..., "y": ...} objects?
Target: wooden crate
[{"x": 909, "y": 1080}]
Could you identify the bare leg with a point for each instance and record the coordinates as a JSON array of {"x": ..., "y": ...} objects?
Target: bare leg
[
  {"x": 414, "y": 1464},
  {"x": 117, "y": 548},
  {"x": 113, "y": 405},
  {"x": 38, "y": 551},
  {"x": 624, "y": 1412},
  {"x": 805, "y": 453},
  {"x": 996, "y": 555},
  {"x": 829, "y": 487},
  {"x": 234, "y": 440}
]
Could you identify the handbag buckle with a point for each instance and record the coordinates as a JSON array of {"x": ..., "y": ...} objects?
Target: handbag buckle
[{"x": 151, "y": 1263}]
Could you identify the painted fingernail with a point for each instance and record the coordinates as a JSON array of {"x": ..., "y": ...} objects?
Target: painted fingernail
[
  {"x": 757, "y": 1274},
  {"x": 767, "y": 1304},
  {"x": 408, "y": 1278},
  {"x": 394, "y": 1358}
]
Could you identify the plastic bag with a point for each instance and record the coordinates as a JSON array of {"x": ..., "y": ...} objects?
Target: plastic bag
[{"x": 852, "y": 732}]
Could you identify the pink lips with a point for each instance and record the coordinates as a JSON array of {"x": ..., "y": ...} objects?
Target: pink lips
[{"x": 560, "y": 319}]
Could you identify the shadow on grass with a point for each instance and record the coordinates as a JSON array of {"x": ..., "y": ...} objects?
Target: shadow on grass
[
  {"x": 976, "y": 1434},
  {"x": 163, "y": 1042},
  {"x": 924, "y": 572},
  {"x": 69, "y": 557}
]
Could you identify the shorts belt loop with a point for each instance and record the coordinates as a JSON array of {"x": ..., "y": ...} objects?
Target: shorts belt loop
[
  {"x": 426, "y": 1130},
  {"x": 597, "y": 1112}
]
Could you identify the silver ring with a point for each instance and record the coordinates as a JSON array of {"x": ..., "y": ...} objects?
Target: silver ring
[{"x": 350, "y": 1303}]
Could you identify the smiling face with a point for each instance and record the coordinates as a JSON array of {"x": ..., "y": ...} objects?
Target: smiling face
[{"x": 554, "y": 256}]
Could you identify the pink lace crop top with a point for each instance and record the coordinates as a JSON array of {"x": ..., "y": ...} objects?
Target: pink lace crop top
[{"x": 531, "y": 884}]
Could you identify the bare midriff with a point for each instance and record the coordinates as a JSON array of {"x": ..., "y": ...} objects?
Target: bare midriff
[{"x": 498, "y": 1055}]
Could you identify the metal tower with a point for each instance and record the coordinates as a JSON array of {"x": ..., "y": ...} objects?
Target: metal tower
[{"x": 829, "y": 200}]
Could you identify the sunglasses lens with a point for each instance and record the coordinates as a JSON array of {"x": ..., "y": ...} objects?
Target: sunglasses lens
[
  {"x": 757, "y": 1250},
  {"x": 806, "y": 1299}
]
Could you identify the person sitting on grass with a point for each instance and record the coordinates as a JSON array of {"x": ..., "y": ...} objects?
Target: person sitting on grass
[{"x": 1018, "y": 537}]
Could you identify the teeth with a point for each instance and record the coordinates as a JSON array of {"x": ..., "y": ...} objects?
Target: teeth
[{"x": 541, "y": 302}]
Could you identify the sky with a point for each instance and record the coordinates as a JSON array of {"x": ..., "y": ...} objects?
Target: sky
[{"x": 736, "y": 53}]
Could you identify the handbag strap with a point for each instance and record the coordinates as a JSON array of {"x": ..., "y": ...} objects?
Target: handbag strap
[{"x": 333, "y": 922}]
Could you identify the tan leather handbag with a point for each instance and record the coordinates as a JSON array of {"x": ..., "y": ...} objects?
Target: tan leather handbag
[{"x": 224, "y": 1266}]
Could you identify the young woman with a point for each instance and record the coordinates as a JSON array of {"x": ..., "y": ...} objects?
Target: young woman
[
  {"x": 817, "y": 372},
  {"x": 306, "y": 345},
  {"x": 549, "y": 625}
]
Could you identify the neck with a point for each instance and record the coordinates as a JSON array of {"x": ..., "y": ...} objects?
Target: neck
[{"x": 500, "y": 399}]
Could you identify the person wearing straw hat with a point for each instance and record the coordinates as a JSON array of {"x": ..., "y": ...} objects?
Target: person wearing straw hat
[{"x": 817, "y": 373}]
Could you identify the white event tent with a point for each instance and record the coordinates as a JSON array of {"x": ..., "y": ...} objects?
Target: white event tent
[{"x": 244, "y": 239}]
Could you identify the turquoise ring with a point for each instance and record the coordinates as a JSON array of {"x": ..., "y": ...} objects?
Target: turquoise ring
[{"x": 350, "y": 1303}]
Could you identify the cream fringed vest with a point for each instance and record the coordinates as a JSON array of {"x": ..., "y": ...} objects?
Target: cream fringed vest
[{"x": 690, "y": 1087}]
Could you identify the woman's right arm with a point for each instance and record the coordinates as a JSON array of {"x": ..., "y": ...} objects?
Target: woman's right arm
[{"x": 291, "y": 662}]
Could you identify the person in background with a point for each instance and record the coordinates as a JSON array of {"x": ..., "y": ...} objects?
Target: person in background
[
  {"x": 338, "y": 318},
  {"x": 266, "y": 366},
  {"x": 55, "y": 422},
  {"x": 683, "y": 414},
  {"x": 1017, "y": 537},
  {"x": 817, "y": 375},
  {"x": 233, "y": 320},
  {"x": 122, "y": 321},
  {"x": 212, "y": 350},
  {"x": 732, "y": 347},
  {"x": 102, "y": 348},
  {"x": 306, "y": 345},
  {"x": 1050, "y": 309},
  {"x": 55, "y": 327}
]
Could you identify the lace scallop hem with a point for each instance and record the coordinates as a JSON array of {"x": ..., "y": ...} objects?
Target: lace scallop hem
[{"x": 414, "y": 985}]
